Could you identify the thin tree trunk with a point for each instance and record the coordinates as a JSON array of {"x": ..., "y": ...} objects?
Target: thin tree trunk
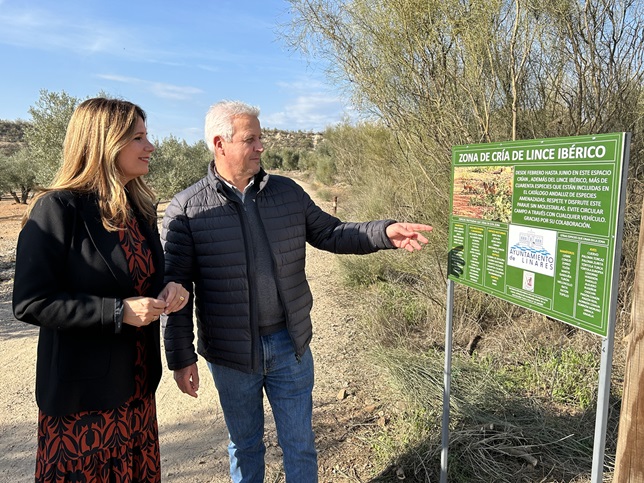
[{"x": 629, "y": 464}]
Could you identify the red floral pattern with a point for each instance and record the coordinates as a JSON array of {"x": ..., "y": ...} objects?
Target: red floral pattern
[
  {"x": 115, "y": 445},
  {"x": 139, "y": 257}
]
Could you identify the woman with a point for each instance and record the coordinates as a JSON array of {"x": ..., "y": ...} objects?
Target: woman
[{"x": 89, "y": 273}]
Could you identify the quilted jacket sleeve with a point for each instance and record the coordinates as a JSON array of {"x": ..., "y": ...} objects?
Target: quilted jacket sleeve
[
  {"x": 327, "y": 232},
  {"x": 179, "y": 259}
]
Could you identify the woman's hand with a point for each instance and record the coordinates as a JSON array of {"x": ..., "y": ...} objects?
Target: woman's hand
[{"x": 142, "y": 311}]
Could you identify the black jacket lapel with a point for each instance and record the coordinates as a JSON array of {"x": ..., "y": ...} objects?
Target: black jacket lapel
[{"x": 107, "y": 243}]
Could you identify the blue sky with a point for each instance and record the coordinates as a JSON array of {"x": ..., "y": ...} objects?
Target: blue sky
[{"x": 174, "y": 59}]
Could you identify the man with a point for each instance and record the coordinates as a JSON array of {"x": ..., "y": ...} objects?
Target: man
[{"x": 238, "y": 236}]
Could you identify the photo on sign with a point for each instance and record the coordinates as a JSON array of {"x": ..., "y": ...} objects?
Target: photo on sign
[
  {"x": 532, "y": 249},
  {"x": 528, "y": 281},
  {"x": 483, "y": 192}
]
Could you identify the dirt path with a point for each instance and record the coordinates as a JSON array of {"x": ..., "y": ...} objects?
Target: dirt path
[{"x": 192, "y": 431}]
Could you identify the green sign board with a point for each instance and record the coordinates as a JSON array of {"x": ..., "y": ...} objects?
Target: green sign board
[{"x": 538, "y": 223}]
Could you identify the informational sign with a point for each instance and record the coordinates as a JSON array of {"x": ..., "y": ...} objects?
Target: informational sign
[{"x": 536, "y": 223}]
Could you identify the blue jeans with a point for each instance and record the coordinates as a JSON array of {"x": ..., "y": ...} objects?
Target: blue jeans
[{"x": 288, "y": 383}]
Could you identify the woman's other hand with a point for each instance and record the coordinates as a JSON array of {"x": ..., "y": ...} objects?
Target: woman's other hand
[{"x": 142, "y": 311}]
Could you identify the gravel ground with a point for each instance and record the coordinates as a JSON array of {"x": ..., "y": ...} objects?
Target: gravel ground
[{"x": 192, "y": 431}]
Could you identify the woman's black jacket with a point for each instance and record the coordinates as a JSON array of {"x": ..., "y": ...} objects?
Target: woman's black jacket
[{"x": 70, "y": 280}]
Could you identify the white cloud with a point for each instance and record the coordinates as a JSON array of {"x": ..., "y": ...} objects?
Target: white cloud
[
  {"x": 208, "y": 68},
  {"x": 45, "y": 30},
  {"x": 53, "y": 30},
  {"x": 159, "y": 89},
  {"x": 313, "y": 112},
  {"x": 309, "y": 108},
  {"x": 120, "y": 78},
  {"x": 169, "y": 91},
  {"x": 301, "y": 85}
]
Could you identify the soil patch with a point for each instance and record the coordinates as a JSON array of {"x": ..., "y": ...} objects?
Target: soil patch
[{"x": 192, "y": 431}]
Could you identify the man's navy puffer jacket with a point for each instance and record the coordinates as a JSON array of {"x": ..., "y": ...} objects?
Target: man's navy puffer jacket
[{"x": 206, "y": 241}]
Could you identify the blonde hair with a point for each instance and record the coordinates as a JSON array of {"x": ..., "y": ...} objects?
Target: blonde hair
[{"x": 97, "y": 131}]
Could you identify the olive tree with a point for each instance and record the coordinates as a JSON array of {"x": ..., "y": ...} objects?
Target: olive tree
[
  {"x": 18, "y": 174},
  {"x": 176, "y": 165},
  {"x": 45, "y": 133}
]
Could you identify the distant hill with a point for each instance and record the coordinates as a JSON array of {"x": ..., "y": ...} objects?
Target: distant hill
[
  {"x": 11, "y": 136},
  {"x": 296, "y": 140}
]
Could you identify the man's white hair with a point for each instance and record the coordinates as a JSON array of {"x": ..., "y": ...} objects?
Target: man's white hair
[{"x": 219, "y": 120}]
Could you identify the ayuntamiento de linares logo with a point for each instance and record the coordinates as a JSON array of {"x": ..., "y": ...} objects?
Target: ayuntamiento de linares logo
[{"x": 529, "y": 251}]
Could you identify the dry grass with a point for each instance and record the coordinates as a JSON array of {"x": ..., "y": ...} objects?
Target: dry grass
[
  {"x": 523, "y": 387},
  {"x": 498, "y": 433}
]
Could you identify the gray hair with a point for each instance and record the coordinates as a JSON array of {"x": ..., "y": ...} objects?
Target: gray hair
[{"x": 219, "y": 120}]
